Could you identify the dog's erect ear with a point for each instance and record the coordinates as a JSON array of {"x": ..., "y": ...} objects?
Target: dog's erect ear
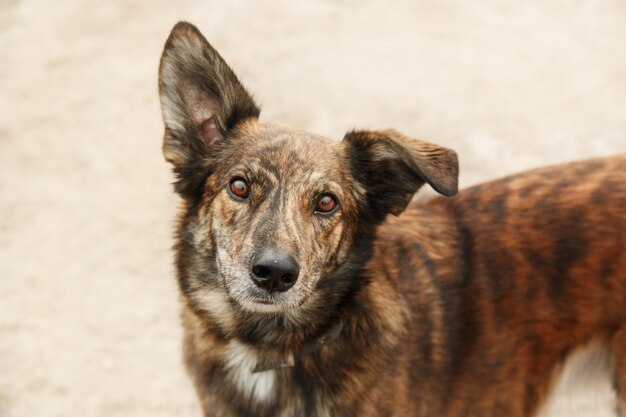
[
  {"x": 201, "y": 98},
  {"x": 392, "y": 167}
]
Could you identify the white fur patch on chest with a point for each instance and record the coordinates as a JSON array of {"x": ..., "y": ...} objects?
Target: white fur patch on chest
[
  {"x": 584, "y": 387},
  {"x": 240, "y": 362}
]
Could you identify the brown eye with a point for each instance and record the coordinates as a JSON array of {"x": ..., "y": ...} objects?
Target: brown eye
[
  {"x": 239, "y": 188},
  {"x": 326, "y": 203}
]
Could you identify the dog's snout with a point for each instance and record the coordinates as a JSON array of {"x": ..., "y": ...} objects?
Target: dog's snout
[{"x": 274, "y": 270}]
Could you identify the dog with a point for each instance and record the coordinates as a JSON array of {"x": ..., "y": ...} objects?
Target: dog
[{"x": 312, "y": 285}]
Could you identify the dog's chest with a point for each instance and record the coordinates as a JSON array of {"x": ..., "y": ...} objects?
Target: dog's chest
[
  {"x": 272, "y": 389},
  {"x": 240, "y": 362}
]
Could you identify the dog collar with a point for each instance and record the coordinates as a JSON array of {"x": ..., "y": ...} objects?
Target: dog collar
[{"x": 309, "y": 347}]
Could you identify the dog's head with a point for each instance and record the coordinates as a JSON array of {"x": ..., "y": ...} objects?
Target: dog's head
[{"x": 276, "y": 219}]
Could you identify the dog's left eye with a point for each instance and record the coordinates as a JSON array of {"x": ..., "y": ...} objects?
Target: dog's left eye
[
  {"x": 239, "y": 188},
  {"x": 326, "y": 203}
]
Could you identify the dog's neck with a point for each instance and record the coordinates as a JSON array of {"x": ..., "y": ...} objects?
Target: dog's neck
[{"x": 310, "y": 346}]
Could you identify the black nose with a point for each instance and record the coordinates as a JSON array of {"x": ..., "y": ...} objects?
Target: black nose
[{"x": 274, "y": 270}]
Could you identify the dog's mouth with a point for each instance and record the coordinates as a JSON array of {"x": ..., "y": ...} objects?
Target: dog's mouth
[
  {"x": 257, "y": 300},
  {"x": 246, "y": 295},
  {"x": 262, "y": 305},
  {"x": 266, "y": 302}
]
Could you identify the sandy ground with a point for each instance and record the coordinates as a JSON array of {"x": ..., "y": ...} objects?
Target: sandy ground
[{"x": 88, "y": 304}]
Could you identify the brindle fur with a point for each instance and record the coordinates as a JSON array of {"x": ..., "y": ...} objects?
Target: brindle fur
[{"x": 465, "y": 306}]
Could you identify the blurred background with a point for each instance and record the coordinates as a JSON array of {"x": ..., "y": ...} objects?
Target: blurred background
[{"x": 88, "y": 303}]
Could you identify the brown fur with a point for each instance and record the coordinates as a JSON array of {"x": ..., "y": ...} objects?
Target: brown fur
[{"x": 465, "y": 306}]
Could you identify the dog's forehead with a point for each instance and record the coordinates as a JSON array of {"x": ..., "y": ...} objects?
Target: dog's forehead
[{"x": 291, "y": 149}]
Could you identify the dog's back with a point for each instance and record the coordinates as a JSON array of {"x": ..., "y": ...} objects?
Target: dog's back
[{"x": 512, "y": 276}]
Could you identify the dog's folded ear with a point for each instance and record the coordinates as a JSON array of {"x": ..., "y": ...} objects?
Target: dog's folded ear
[
  {"x": 201, "y": 98},
  {"x": 392, "y": 167}
]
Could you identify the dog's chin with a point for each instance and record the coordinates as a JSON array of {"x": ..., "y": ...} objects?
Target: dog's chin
[
  {"x": 267, "y": 303},
  {"x": 262, "y": 306}
]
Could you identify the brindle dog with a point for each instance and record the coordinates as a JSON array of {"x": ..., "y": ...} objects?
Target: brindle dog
[{"x": 301, "y": 296}]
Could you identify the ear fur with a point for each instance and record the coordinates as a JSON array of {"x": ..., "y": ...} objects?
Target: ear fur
[
  {"x": 201, "y": 99},
  {"x": 392, "y": 167}
]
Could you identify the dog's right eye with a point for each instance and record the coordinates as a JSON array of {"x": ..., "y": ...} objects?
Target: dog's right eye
[
  {"x": 326, "y": 203},
  {"x": 239, "y": 188}
]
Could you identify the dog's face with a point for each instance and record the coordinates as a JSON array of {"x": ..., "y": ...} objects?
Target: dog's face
[
  {"x": 274, "y": 215},
  {"x": 279, "y": 216}
]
